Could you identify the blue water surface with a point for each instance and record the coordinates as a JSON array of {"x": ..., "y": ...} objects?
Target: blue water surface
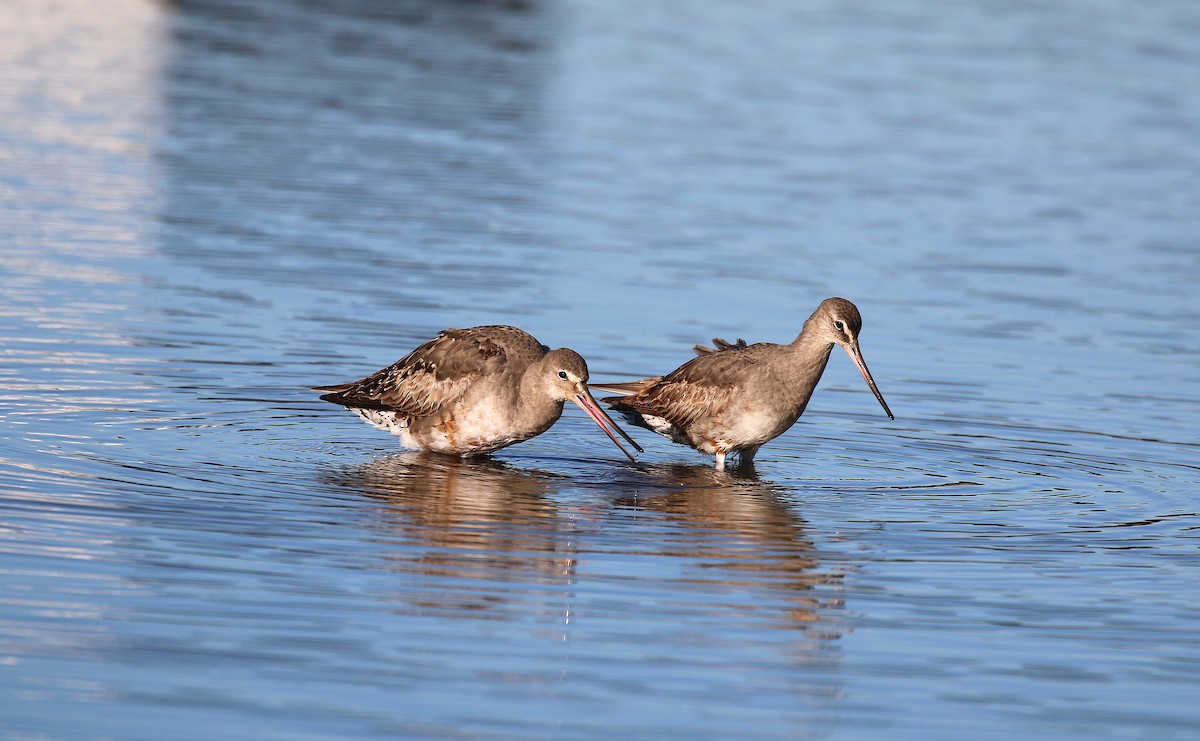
[{"x": 207, "y": 206}]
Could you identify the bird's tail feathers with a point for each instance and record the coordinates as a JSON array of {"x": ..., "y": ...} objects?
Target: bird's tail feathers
[{"x": 719, "y": 345}]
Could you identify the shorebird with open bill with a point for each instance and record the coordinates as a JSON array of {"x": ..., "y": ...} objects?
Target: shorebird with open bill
[
  {"x": 472, "y": 391},
  {"x": 734, "y": 397}
]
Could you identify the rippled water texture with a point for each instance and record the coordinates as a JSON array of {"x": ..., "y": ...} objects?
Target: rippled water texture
[{"x": 207, "y": 206}]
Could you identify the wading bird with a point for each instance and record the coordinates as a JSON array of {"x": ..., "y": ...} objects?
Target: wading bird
[
  {"x": 472, "y": 391},
  {"x": 734, "y": 397}
]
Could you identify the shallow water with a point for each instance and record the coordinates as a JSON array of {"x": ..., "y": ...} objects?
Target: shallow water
[{"x": 210, "y": 206}]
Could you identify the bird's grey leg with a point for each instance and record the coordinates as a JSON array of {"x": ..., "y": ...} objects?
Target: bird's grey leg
[{"x": 745, "y": 464}]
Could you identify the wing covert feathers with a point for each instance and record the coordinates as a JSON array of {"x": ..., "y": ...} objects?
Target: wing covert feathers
[
  {"x": 437, "y": 373},
  {"x": 698, "y": 389}
]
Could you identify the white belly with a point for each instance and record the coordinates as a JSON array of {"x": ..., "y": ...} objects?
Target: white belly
[
  {"x": 479, "y": 435},
  {"x": 745, "y": 431}
]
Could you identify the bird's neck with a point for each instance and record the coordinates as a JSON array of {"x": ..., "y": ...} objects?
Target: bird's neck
[{"x": 808, "y": 357}]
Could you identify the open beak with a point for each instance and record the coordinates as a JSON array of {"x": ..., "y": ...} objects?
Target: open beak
[
  {"x": 604, "y": 422},
  {"x": 856, "y": 355}
]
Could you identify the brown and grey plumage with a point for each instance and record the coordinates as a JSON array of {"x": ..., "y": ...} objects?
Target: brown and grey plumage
[
  {"x": 734, "y": 397},
  {"x": 473, "y": 391}
]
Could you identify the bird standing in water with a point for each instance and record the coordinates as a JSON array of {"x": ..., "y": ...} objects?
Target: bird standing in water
[
  {"x": 472, "y": 391},
  {"x": 735, "y": 397}
]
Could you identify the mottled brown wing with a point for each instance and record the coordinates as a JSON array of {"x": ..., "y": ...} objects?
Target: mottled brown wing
[
  {"x": 699, "y": 389},
  {"x": 434, "y": 375}
]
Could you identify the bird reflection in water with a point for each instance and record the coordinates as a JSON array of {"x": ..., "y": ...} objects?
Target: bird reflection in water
[
  {"x": 750, "y": 545},
  {"x": 479, "y": 533},
  {"x": 486, "y": 538}
]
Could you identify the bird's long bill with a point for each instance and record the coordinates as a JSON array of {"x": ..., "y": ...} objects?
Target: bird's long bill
[
  {"x": 604, "y": 422},
  {"x": 856, "y": 355}
]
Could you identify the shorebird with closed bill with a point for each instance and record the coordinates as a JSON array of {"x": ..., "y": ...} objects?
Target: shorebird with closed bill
[
  {"x": 735, "y": 397},
  {"x": 472, "y": 391}
]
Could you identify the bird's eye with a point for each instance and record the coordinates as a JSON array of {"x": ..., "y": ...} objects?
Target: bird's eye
[
  {"x": 839, "y": 325},
  {"x": 562, "y": 374}
]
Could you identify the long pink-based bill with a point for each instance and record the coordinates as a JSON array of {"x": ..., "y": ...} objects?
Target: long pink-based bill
[{"x": 604, "y": 422}]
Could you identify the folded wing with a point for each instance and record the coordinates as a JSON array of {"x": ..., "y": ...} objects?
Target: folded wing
[{"x": 431, "y": 377}]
